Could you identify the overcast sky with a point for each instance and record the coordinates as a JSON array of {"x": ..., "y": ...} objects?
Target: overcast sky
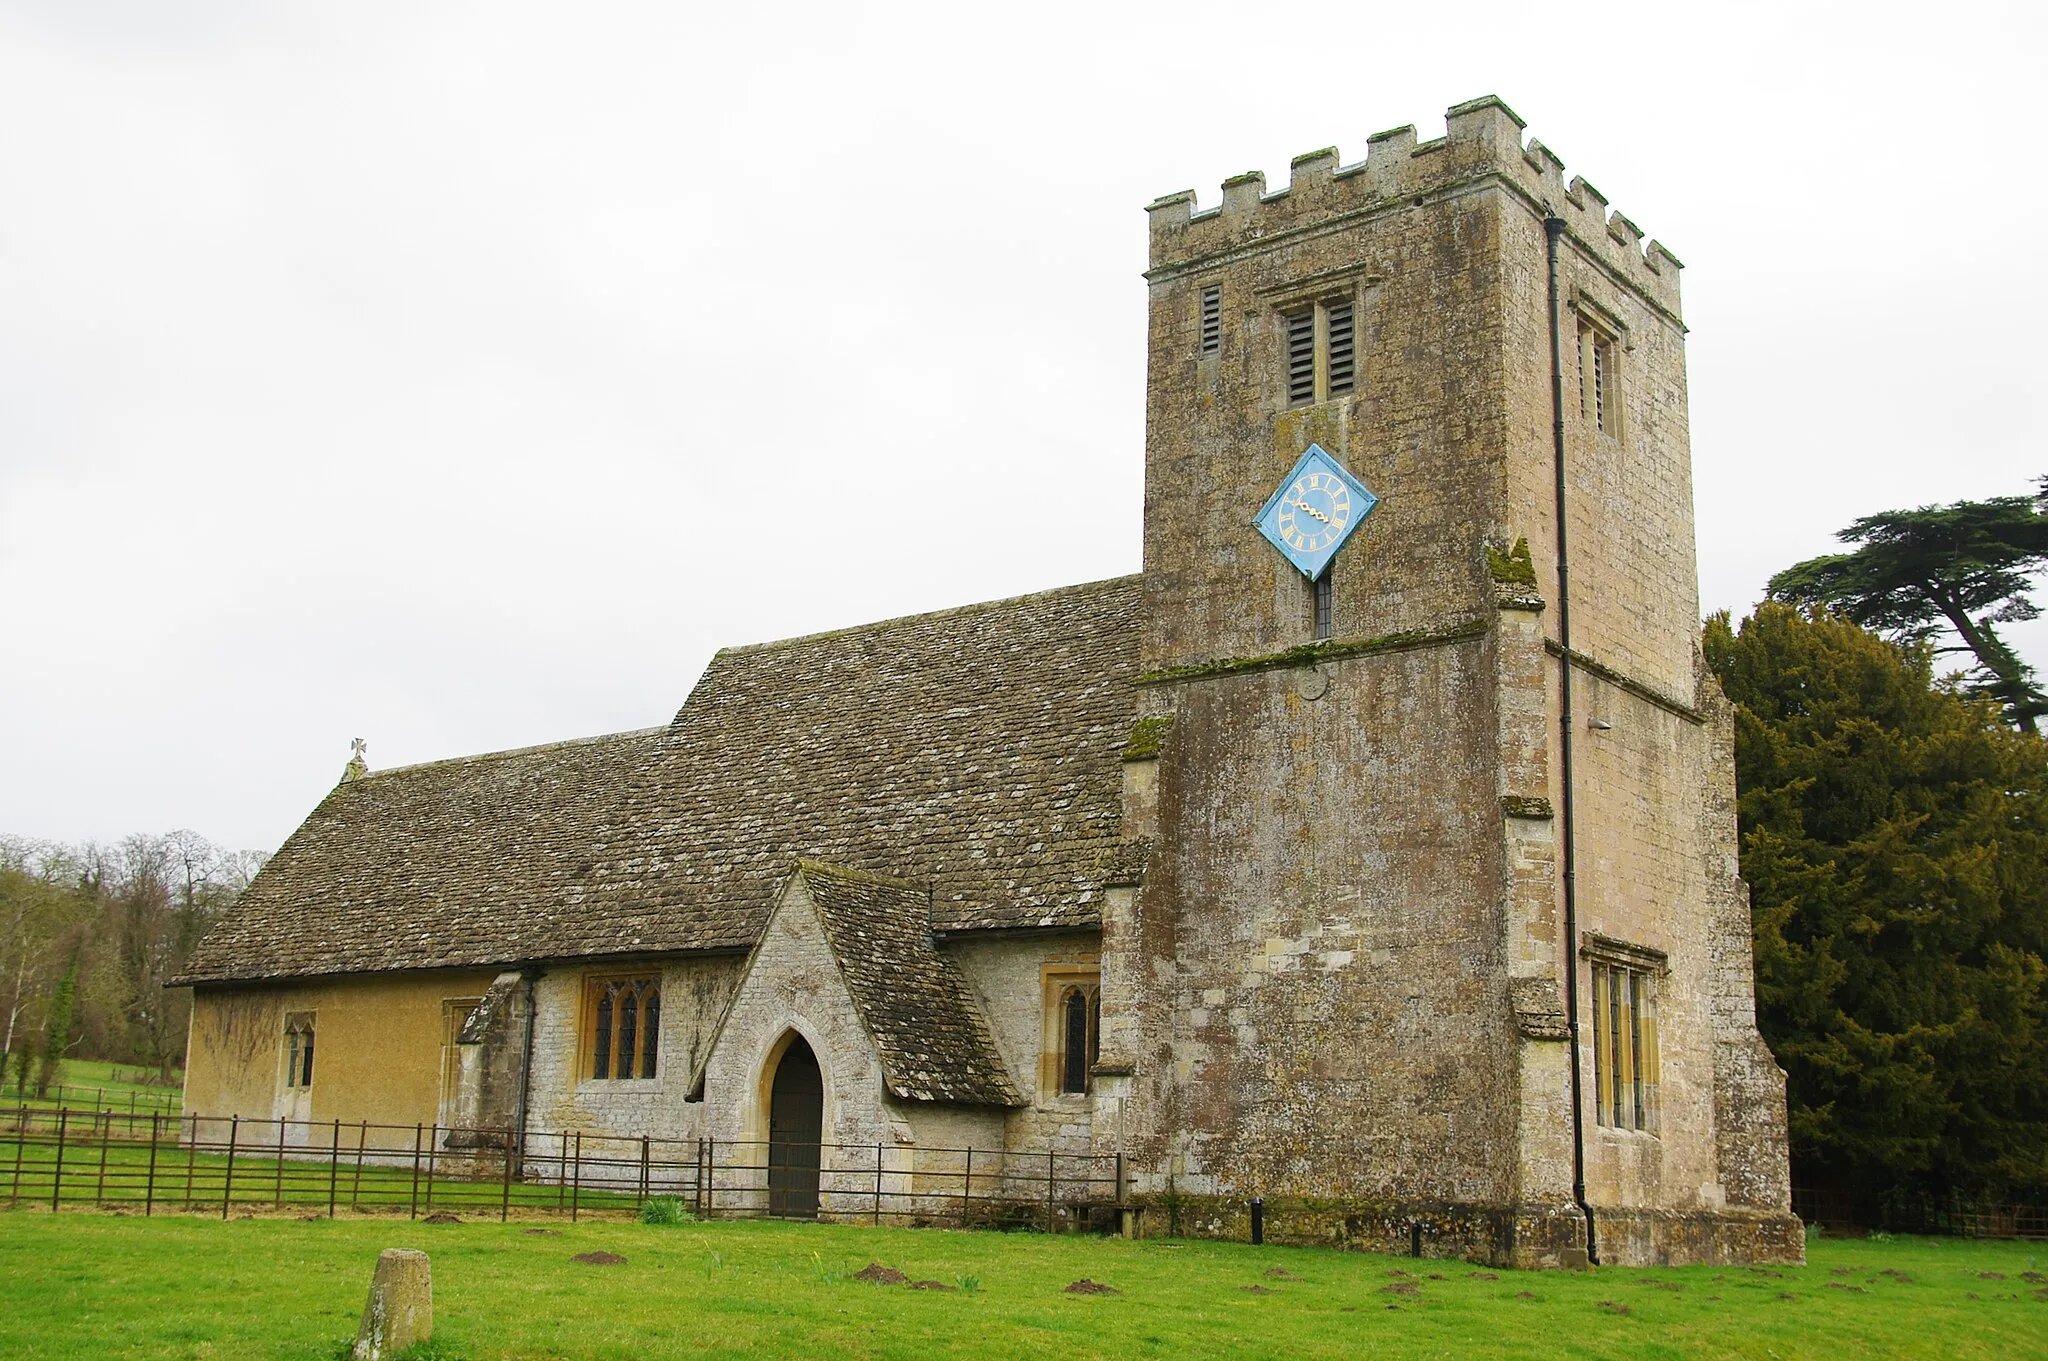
[{"x": 460, "y": 376}]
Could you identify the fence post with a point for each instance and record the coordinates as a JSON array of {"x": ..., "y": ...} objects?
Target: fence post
[
  {"x": 355, "y": 1185},
  {"x": 280, "y": 1162},
  {"x": 227, "y": 1181},
  {"x": 433, "y": 1161},
  {"x": 576, "y": 1183},
  {"x": 191, "y": 1159},
  {"x": 505, "y": 1205},
  {"x": 562, "y": 1177},
  {"x": 643, "y": 1169},
  {"x": 1050, "y": 1171},
  {"x": 878, "y": 1179},
  {"x": 99, "y": 1194},
  {"x": 967, "y": 1189},
  {"x": 57, "y": 1177},
  {"x": 149, "y": 1185},
  {"x": 414, "y": 1211},
  {"x": 333, "y": 1166},
  {"x": 1119, "y": 1181},
  {"x": 21, "y": 1142}
]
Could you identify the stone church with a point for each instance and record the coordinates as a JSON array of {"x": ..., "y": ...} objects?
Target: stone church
[{"x": 1372, "y": 851}]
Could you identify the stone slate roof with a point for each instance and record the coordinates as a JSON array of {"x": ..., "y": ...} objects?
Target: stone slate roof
[
  {"x": 920, "y": 1010},
  {"x": 974, "y": 750}
]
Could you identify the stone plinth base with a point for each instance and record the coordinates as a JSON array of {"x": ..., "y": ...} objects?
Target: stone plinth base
[
  {"x": 1726, "y": 1237},
  {"x": 1525, "y": 1237}
]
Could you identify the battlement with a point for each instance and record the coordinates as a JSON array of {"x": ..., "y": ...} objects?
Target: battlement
[{"x": 1482, "y": 138}]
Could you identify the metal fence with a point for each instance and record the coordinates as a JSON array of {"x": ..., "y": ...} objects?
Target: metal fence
[
  {"x": 134, "y": 1100},
  {"x": 1856, "y": 1212},
  {"x": 150, "y": 1161}
]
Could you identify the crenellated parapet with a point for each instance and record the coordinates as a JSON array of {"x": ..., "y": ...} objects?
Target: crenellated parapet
[{"x": 1482, "y": 141}]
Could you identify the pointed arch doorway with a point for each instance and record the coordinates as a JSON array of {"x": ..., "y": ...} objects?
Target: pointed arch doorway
[{"x": 796, "y": 1125}]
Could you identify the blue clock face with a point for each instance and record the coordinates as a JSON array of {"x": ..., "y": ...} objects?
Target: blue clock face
[{"x": 1316, "y": 508}]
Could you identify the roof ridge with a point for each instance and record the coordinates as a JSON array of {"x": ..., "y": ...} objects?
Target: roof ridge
[
  {"x": 517, "y": 751},
  {"x": 947, "y": 612},
  {"x": 828, "y": 868}
]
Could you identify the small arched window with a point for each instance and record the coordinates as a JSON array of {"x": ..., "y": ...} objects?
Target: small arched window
[
  {"x": 1080, "y": 1036},
  {"x": 298, "y": 1049}
]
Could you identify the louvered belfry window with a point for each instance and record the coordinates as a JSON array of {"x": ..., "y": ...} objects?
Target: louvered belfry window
[
  {"x": 1343, "y": 353},
  {"x": 623, "y": 1023},
  {"x": 1598, "y": 399},
  {"x": 1322, "y": 351},
  {"x": 1301, "y": 358},
  {"x": 1212, "y": 319}
]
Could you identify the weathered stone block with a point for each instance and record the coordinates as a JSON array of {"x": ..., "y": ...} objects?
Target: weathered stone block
[{"x": 400, "y": 1310}]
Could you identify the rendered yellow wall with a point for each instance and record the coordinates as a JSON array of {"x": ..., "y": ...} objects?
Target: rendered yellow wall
[{"x": 377, "y": 1054}]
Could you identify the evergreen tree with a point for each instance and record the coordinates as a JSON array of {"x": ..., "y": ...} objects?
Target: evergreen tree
[
  {"x": 1964, "y": 566},
  {"x": 1895, "y": 840},
  {"x": 57, "y": 1032}
]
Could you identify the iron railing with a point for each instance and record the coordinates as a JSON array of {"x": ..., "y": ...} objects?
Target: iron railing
[{"x": 224, "y": 1164}]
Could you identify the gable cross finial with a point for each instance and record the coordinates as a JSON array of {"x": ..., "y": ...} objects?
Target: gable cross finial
[{"x": 357, "y": 767}]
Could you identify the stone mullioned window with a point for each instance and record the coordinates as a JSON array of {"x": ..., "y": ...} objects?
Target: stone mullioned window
[
  {"x": 1624, "y": 1020},
  {"x": 622, "y": 1026}
]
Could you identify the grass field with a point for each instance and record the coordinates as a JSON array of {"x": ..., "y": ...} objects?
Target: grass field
[
  {"x": 102, "y": 1286},
  {"x": 90, "y": 1084}
]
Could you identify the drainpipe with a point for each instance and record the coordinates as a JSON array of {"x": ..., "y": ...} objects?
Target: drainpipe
[
  {"x": 530, "y": 977},
  {"x": 1553, "y": 230}
]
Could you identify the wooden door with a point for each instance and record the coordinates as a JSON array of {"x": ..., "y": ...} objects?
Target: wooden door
[{"x": 796, "y": 1124}]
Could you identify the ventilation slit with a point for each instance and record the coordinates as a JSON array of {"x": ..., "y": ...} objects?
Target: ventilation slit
[
  {"x": 1343, "y": 364},
  {"x": 1212, "y": 319},
  {"x": 1301, "y": 357}
]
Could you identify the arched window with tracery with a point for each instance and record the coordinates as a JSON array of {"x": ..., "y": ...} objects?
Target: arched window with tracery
[{"x": 623, "y": 1023}]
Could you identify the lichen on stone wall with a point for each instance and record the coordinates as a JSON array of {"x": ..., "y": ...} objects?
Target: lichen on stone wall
[{"x": 1148, "y": 735}]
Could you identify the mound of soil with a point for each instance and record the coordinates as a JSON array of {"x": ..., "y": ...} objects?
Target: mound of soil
[
  {"x": 442, "y": 1219},
  {"x": 1084, "y": 1286},
  {"x": 1280, "y": 1273},
  {"x": 1255, "y": 1290},
  {"x": 599, "y": 1259},
  {"x": 932, "y": 1285},
  {"x": 1481, "y": 1276},
  {"x": 877, "y": 1274},
  {"x": 1400, "y": 1288}
]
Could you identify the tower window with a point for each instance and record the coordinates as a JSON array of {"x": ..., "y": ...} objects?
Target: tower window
[
  {"x": 1599, "y": 404},
  {"x": 1624, "y": 1046},
  {"x": 1323, "y": 592},
  {"x": 1212, "y": 319},
  {"x": 1301, "y": 358},
  {"x": 1343, "y": 361},
  {"x": 1322, "y": 351},
  {"x": 623, "y": 1023}
]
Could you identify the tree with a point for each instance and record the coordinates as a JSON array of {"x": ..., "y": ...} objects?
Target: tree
[
  {"x": 1965, "y": 566},
  {"x": 1895, "y": 839},
  {"x": 57, "y": 1029}
]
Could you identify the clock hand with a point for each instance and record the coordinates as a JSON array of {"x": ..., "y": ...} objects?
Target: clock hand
[{"x": 1303, "y": 505}]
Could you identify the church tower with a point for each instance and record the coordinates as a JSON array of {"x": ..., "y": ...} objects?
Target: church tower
[{"x": 1421, "y": 824}]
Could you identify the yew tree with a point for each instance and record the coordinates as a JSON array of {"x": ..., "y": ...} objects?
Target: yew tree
[{"x": 1895, "y": 839}]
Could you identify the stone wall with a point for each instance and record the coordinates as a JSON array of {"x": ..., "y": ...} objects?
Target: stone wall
[{"x": 378, "y": 1050}]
